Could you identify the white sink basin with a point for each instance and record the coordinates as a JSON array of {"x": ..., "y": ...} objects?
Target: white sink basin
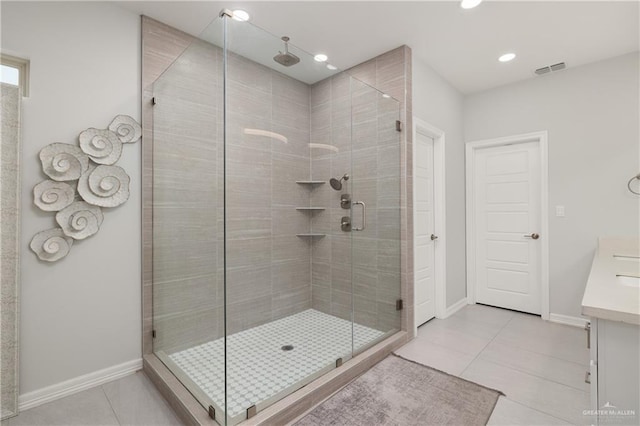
[
  {"x": 626, "y": 258},
  {"x": 628, "y": 281},
  {"x": 627, "y": 270}
]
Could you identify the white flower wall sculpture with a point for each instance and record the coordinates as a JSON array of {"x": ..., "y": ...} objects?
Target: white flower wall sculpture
[{"x": 83, "y": 181}]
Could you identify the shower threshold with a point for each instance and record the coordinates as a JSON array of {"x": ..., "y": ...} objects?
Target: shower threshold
[{"x": 261, "y": 365}]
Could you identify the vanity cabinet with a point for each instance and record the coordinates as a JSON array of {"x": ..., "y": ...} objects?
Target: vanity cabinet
[
  {"x": 612, "y": 301},
  {"x": 614, "y": 372}
]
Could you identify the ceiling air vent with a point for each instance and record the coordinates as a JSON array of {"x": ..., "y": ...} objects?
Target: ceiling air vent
[{"x": 555, "y": 67}]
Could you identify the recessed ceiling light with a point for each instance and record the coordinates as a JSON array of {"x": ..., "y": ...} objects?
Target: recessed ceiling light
[
  {"x": 320, "y": 57},
  {"x": 332, "y": 67},
  {"x": 384, "y": 95},
  {"x": 241, "y": 15},
  {"x": 507, "y": 57},
  {"x": 469, "y": 4}
]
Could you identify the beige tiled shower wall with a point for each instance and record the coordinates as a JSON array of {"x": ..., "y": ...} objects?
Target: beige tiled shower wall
[
  {"x": 187, "y": 174},
  {"x": 271, "y": 119},
  {"x": 353, "y": 129},
  {"x": 268, "y": 268}
]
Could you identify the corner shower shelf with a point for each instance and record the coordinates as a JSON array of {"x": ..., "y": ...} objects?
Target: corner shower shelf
[
  {"x": 310, "y": 208},
  {"x": 311, "y": 235},
  {"x": 311, "y": 182}
]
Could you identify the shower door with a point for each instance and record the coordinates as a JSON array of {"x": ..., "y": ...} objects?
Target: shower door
[
  {"x": 375, "y": 214},
  {"x": 276, "y": 218}
]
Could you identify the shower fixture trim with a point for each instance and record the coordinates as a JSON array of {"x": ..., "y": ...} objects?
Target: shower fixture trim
[
  {"x": 286, "y": 58},
  {"x": 337, "y": 183}
]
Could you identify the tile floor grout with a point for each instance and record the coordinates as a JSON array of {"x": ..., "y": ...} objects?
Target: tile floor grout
[
  {"x": 137, "y": 402},
  {"x": 111, "y": 404},
  {"x": 520, "y": 370},
  {"x": 535, "y": 409},
  {"x": 531, "y": 373},
  {"x": 488, "y": 343},
  {"x": 451, "y": 354},
  {"x": 542, "y": 353}
]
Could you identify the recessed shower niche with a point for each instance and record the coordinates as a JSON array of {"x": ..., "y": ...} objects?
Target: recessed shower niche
[{"x": 245, "y": 248}]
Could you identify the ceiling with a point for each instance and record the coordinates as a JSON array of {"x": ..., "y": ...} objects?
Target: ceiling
[{"x": 461, "y": 45}]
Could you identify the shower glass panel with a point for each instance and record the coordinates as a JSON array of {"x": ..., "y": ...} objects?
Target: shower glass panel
[
  {"x": 276, "y": 341},
  {"x": 266, "y": 276},
  {"x": 188, "y": 232},
  {"x": 375, "y": 240}
]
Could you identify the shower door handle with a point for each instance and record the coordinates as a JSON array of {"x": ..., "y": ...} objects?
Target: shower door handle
[{"x": 364, "y": 215}]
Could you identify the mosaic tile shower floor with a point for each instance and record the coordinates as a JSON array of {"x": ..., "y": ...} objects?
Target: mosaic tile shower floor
[{"x": 259, "y": 370}]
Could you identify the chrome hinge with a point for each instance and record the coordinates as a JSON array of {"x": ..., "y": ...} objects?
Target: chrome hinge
[
  {"x": 212, "y": 412},
  {"x": 225, "y": 12},
  {"x": 153, "y": 334},
  {"x": 398, "y": 125},
  {"x": 399, "y": 305}
]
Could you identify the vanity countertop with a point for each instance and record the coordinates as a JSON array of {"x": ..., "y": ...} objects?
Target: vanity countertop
[{"x": 613, "y": 288}]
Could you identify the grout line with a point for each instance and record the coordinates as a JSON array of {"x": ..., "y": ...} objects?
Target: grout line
[
  {"x": 485, "y": 346},
  {"x": 513, "y": 345},
  {"x": 499, "y": 364},
  {"x": 531, "y": 373},
  {"x": 540, "y": 410},
  {"x": 521, "y": 371},
  {"x": 111, "y": 405},
  {"x": 534, "y": 409}
]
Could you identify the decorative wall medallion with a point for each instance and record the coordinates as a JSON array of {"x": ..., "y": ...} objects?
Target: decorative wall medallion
[
  {"x": 51, "y": 245},
  {"x": 102, "y": 146},
  {"x": 104, "y": 186},
  {"x": 127, "y": 129},
  {"x": 52, "y": 196},
  {"x": 62, "y": 161},
  {"x": 80, "y": 220},
  {"x": 99, "y": 184}
]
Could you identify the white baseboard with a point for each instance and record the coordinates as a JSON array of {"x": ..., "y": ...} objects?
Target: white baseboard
[
  {"x": 78, "y": 384},
  {"x": 456, "y": 307},
  {"x": 568, "y": 320}
]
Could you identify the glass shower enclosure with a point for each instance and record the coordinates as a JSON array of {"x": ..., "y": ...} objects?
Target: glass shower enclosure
[{"x": 276, "y": 218}]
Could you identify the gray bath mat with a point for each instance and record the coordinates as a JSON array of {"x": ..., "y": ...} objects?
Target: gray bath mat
[{"x": 397, "y": 391}]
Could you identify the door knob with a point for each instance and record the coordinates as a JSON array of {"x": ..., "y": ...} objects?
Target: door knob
[
  {"x": 434, "y": 237},
  {"x": 533, "y": 236}
]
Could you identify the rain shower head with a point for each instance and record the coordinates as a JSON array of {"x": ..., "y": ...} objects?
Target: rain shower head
[
  {"x": 337, "y": 183},
  {"x": 286, "y": 59}
]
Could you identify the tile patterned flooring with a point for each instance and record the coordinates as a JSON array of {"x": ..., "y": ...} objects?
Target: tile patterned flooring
[
  {"x": 259, "y": 370},
  {"x": 132, "y": 400},
  {"x": 538, "y": 365}
]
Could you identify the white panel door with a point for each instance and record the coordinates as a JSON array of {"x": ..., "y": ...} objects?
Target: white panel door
[
  {"x": 424, "y": 224},
  {"x": 507, "y": 201}
]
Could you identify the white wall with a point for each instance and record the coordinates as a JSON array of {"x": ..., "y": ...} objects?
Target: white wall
[
  {"x": 82, "y": 313},
  {"x": 441, "y": 105},
  {"x": 592, "y": 116}
]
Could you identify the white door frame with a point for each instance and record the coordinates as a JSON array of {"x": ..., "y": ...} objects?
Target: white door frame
[
  {"x": 440, "y": 248},
  {"x": 471, "y": 147}
]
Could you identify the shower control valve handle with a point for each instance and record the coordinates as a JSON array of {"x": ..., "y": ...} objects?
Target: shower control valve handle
[{"x": 345, "y": 224}]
